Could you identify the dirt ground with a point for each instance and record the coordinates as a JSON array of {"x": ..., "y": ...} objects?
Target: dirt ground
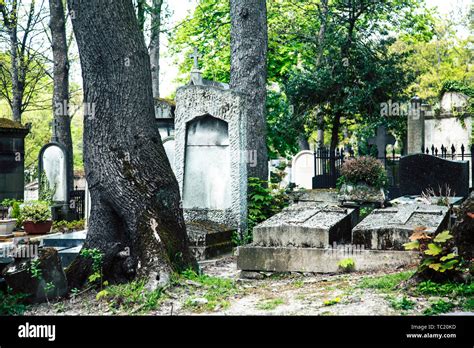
[{"x": 288, "y": 294}]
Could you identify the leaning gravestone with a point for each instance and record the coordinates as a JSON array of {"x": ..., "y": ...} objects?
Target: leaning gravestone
[
  {"x": 390, "y": 228},
  {"x": 302, "y": 169},
  {"x": 210, "y": 163},
  {"x": 421, "y": 172}
]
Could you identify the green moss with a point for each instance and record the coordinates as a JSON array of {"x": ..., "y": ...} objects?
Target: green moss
[{"x": 7, "y": 123}]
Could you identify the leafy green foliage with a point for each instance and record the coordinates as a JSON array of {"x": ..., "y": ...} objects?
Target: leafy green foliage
[
  {"x": 263, "y": 203},
  {"x": 402, "y": 303},
  {"x": 364, "y": 169},
  {"x": 12, "y": 304},
  {"x": 66, "y": 226},
  {"x": 347, "y": 265},
  {"x": 386, "y": 282},
  {"x": 97, "y": 258},
  {"x": 439, "y": 307},
  {"x": 436, "y": 252},
  {"x": 36, "y": 212},
  {"x": 446, "y": 289}
]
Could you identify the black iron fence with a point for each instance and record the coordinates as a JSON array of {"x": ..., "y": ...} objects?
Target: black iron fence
[
  {"x": 327, "y": 164},
  {"x": 77, "y": 203}
]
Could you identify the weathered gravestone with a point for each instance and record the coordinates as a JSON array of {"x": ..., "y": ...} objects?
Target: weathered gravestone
[
  {"x": 420, "y": 172},
  {"x": 210, "y": 162},
  {"x": 390, "y": 228},
  {"x": 305, "y": 225},
  {"x": 302, "y": 169}
]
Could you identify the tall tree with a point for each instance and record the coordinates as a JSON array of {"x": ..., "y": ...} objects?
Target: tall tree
[
  {"x": 26, "y": 69},
  {"x": 248, "y": 74},
  {"x": 62, "y": 119},
  {"x": 136, "y": 220},
  {"x": 155, "y": 46}
]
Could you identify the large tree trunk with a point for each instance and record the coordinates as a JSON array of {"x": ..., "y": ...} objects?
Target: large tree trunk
[
  {"x": 248, "y": 73},
  {"x": 155, "y": 46},
  {"x": 136, "y": 218},
  {"x": 17, "y": 89},
  {"x": 62, "y": 128}
]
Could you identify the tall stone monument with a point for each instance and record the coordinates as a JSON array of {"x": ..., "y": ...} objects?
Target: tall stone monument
[{"x": 210, "y": 163}]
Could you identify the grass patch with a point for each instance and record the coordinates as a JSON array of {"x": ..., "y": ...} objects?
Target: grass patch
[
  {"x": 401, "y": 303},
  {"x": 130, "y": 297},
  {"x": 385, "y": 283},
  {"x": 269, "y": 305},
  {"x": 216, "y": 291},
  {"x": 445, "y": 289},
  {"x": 439, "y": 307}
]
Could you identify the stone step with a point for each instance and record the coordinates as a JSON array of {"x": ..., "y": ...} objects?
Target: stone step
[
  {"x": 319, "y": 260},
  {"x": 68, "y": 255},
  {"x": 65, "y": 240}
]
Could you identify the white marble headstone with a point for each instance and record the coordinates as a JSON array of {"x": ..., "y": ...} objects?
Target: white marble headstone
[
  {"x": 303, "y": 169},
  {"x": 54, "y": 166}
]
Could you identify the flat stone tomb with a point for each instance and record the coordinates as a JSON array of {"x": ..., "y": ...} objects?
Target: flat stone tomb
[
  {"x": 208, "y": 239},
  {"x": 390, "y": 228},
  {"x": 305, "y": 225}
]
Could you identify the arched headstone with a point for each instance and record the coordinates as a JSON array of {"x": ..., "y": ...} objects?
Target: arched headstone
[
  {"x": 207, "y": 164},
  {"x": 52, "y": 171},
  {"x": 302, "y": 169},
  {"x": 169, "y": 145}
]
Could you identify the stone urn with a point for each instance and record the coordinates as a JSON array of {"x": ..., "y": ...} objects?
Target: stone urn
[{"x": 7, "y": 226}]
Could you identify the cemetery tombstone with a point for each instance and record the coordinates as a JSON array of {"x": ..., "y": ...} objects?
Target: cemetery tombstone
[
  {"x": 302, "y": 169},
  {"x": 210, "y": 163},
  {"x": 421, "y": 172},
  {"x": 52, "y": 177}
]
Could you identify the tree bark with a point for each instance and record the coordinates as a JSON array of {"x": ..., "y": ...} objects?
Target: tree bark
[
  {"x": 136, "y": 219},
  {"x": 17, "y": 90},
  {"x": 336, "y": 124},
  {"x": 62, "y": 119},
  {"x": 248, "y": 74},
  {"x": 155, "y": 46}
]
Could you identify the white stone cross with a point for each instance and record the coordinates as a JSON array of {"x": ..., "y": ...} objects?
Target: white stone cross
[{"x": 195, "y": 55}]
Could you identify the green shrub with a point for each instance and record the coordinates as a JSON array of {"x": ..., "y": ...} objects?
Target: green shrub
[
  {"x": 36, "y": 212},
  {"x": 263, "y": 203},
  {"x": 437, "y": 254},
  {"x": 347, "y": 265},
  {"x": 364, "y": 169},
  {"x": 12, "y": 304}
]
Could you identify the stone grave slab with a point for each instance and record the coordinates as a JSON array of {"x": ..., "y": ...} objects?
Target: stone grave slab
[
  {"x": 318, "y": 260},
  {"x": 390, "y": 228},
  {"x": 305, "y": 225},
  {"x": 209, "y": 239}
]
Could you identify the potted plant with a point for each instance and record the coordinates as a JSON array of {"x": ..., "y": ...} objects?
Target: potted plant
[
  {"x": 9, "y": 212},
  {"x": 363, "y": 179},
  {"x": 36, "y": 217}
]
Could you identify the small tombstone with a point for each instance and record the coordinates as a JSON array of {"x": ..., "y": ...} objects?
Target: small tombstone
[
  {"x": 381, "y": 140},
  {"x": 302, "y": 169},
  {"x": 421, "y": 172},
  {"x": 52, "y": 172},
  {"x": 390, "y": 228}
]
